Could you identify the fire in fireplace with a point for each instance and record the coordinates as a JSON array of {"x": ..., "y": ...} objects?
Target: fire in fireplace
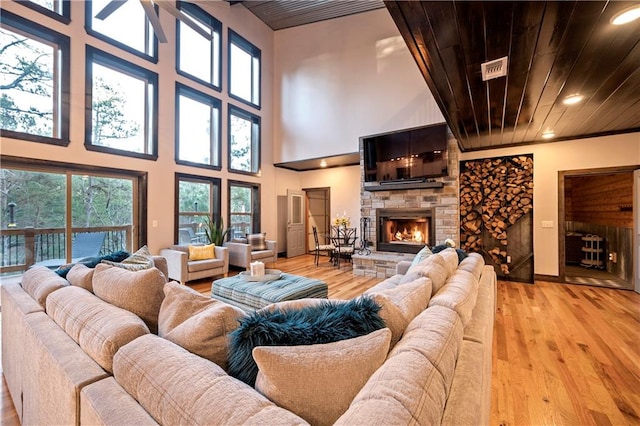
[{"x": 404, "y": 230}]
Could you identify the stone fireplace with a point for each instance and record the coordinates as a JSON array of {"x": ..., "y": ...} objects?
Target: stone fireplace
[
  {"x": 404, "y": 230},
  {"x": 438, "y": 196}
]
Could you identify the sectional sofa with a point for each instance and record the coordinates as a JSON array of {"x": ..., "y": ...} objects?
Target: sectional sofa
[{"x": 110, "y": 346}]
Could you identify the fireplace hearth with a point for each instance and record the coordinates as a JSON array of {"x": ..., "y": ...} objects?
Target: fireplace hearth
[{"x": 404, "y": 230}]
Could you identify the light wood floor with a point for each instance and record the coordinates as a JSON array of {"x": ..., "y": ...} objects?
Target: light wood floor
[{"x": 562, "y": 354}]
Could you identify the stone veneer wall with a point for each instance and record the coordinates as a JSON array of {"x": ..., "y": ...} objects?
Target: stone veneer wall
[{"x": 444, "y": 202}]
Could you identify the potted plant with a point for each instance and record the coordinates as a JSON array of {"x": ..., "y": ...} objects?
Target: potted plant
[{"x": 214, "y": 230}]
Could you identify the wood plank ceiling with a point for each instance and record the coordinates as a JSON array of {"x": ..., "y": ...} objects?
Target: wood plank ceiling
[
  {"x": 555, "y": 49},
  {"x": 280, "y": 14}
]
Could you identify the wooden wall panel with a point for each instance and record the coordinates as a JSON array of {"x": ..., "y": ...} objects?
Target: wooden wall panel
[{"x": 600, "y": 199}]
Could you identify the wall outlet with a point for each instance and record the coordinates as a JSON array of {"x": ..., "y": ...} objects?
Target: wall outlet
[
  {"x": 547, "y": 224},
  {"x": 613, "y": 257},
  {"x": 154, "y": 223},
  {"x": 508, "y": 259}
]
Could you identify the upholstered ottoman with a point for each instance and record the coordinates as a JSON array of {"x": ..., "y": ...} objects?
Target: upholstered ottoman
[{"x": 252, "y": 295}]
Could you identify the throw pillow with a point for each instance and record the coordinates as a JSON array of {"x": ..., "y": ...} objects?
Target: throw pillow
[
  {"x": 91, "y": 262},
  {"x": 400, "y": 305},
  {"x": 198, "y": 323},
  {"x": 421, "y": 255},
  {"x": 139, "y": 292},
  {"x": 142, "y": 259},
  {"x": 202, "y": 252},
  {"x": 81, "y": 276},
  {"x": 325, "y": 323},
  {"x": 434, "y": 268},
  {"x": 257, "y": 241},
  {"x": 318, "y": 382}
]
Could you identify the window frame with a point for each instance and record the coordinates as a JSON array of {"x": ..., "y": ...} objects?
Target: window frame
[
  {"x": 140, "y": 186},
  {"x": 88, "y": 17},
  {"x": 64, "y": 16},
  {"x": 215, "y": 199},
  {"x": 216, "y": 27},
  {"x": 255, "y": 203},
  {"x": 196, "y": 95},
  {"x": 95, "y": 55},
  {"x": 62, "y": 67},
  {"x": 248, "y": 47},
  {"x": 256, "y": 146}
]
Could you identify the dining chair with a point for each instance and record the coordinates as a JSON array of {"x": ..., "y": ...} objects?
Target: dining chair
[
  {"x": 327, "y": 248},
  {"x": 344, "y": 240}
]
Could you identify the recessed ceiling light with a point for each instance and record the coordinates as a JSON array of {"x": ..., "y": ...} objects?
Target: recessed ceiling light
[
  {"x": 548, "y": 134},
  {"x": 323, "y": 163},
  {"x": 627, "y": 15},
  {"x": 573, "y": 99}
]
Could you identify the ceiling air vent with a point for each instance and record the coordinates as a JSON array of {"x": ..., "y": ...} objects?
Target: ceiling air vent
[{"x": 494, "y": 69}]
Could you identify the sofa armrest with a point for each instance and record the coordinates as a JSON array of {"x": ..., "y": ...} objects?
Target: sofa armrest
[
  {"x": 223, "y": 253},
  {"x": 273, "y": 246},
  {"x": 176, "y": 264},
  {"x": 161, "y": 263},
  {"x": 402, "y": 267},
  {"x": 239, "y": 254}
]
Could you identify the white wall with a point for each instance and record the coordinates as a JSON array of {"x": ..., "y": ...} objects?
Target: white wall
[
  {"x": 341, "y": 79},
  {"x": 548, "y": 160},
  {"x": 161, "y": 172}
]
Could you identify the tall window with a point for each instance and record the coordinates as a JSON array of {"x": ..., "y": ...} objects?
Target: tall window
[
  {"x": 56, "y": 9},
  {"x": 34, "y": 77},
  {"x": 127, "y": 27},
  {"x": 197, "y": 57},
  {"x": 244, "y": 70},
  {"x": 196, "y": 197},
  {"x": 197, "y": 128},
  {"x": 124, "y": 105},
  {"x": 244, "y": 208},
  {"x": 244, "y": 141}
]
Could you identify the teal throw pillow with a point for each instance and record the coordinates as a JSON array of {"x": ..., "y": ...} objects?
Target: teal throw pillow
[{"x": 421, "y": 255}]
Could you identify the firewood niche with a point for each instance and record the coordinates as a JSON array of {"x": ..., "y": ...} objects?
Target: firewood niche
[{"x": 496, "y": 209}]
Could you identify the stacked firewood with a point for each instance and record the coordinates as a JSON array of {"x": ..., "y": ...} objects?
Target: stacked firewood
[{"x": 494, "y": 194}]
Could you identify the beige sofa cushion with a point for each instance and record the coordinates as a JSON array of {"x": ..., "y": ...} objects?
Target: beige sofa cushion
[
  {"x": 106, "y": 403},
  {"x": 434, "y": 267},
  {"x": 459, "y": 293},
  {"x": 480, "y": 327},
  {"x": 412, "y": 386},
  {"x": 451, "y": 260},
  {"x": 198, "y": 323},
  {"x": 57, "y": 369},
  {"x": 81, "y": 276},
  {"x": 400, "y": 305},
  {"x": 98, "y": 327},
  {"x": 391, "y": 282},
  {"x": 467, "y": 401},
  {"x": 177, "y": 387},
  {"x": 318, "y": 382},
  {"x": 40, "y": 281},
  {"x": 139, "y": 292},
  {"x": 473, "y": 263}
]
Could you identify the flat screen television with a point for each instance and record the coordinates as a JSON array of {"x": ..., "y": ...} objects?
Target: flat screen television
[{"x": 406, "y": 155}]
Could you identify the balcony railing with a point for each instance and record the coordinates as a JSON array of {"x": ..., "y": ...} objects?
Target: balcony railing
[{"x": 22, "y": 247}]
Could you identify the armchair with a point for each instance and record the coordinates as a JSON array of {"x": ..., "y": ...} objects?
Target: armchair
[
  {"x": 182, "y": 269},
  {"x": 242, "y": 254}
]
